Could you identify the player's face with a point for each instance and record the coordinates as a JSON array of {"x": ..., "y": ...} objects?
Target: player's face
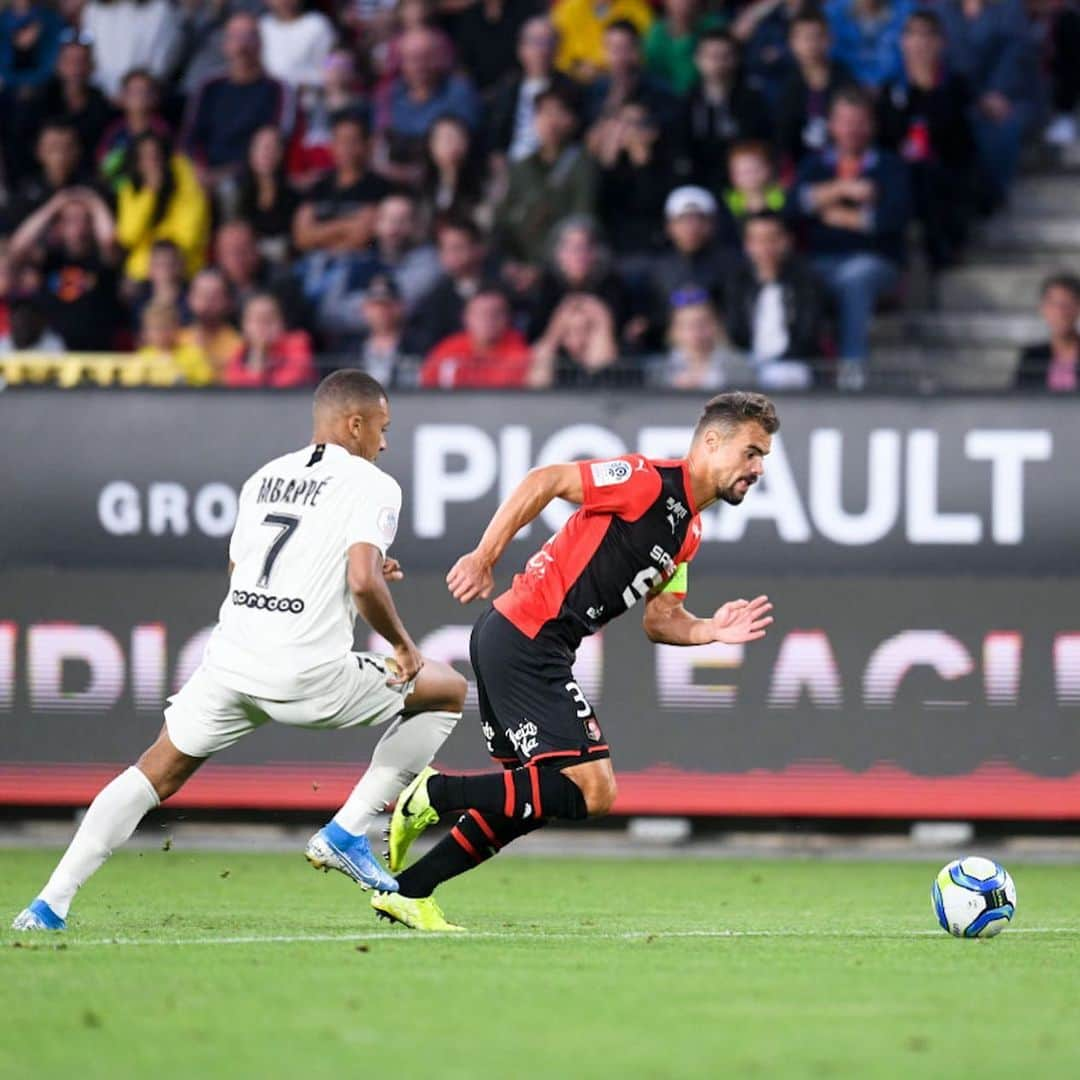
[
  {"x": 739, "y": 460},
  {"x": 369, "y": 429}
]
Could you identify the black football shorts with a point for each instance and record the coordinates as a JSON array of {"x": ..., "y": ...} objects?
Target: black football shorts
[{"x": 531, "y": 707}]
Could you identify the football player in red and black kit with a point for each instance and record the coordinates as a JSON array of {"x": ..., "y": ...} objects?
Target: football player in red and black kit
[{"x": 637, "y": 528}]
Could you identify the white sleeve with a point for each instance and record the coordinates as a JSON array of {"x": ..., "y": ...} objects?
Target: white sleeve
[
  {"x": 235, "y": 542},
  {"x": 374, "y": 516}
]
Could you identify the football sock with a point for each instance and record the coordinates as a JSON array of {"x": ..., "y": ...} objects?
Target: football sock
[
  {"x": 109, "y": 821},
  {"x": 473, "y": 840},
  {"x": 405, "y": 749},
  {"x": 514, "y": 793}
]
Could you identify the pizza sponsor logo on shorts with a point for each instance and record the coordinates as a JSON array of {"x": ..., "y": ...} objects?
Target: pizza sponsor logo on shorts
[
  {"x": 606, "y": 473},
  {"x": 262, "y": 602},
  {"x": 524, "y": 737}
]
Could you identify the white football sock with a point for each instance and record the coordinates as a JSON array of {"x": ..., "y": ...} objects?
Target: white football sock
[
  {"x": 407, "y": 747},
  {"x": 109, "y": 821}
]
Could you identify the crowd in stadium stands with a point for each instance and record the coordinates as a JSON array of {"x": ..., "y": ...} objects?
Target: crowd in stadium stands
[{"x": 503, "y": 193}]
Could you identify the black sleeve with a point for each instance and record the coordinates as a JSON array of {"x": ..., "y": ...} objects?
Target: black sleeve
[
  {"x": 790, "y": 118},
  {"x": 891, "y": 122},
  {"x": 811, "y": 316},
  {"x": 733, "y": 309},
  {"x": 500, "y": 119},
  {"x": 1031, "y": 368}
]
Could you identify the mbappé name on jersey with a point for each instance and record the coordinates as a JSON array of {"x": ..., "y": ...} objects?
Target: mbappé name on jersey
[{"x": 289, "y": 612}]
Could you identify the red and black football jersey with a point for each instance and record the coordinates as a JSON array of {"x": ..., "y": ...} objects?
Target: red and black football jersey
[{"x": 637, "y": 526}]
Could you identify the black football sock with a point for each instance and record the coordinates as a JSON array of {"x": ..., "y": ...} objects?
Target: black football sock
[
  {"x": 514, "y": 793},
  {"x": 473, "y": 840}
]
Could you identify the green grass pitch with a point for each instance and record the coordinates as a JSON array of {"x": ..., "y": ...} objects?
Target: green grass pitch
[{"x": 253, "y": 965}]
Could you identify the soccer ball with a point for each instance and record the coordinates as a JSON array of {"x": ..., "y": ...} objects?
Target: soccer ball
[{"x": 973, "y": 897}]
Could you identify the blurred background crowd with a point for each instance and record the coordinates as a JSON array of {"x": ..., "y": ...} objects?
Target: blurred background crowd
[{"x": 451, "y": 193}]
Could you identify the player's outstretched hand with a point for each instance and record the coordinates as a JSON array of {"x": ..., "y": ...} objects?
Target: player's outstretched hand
[
  {"x": 408, "y": 663},
  {"x": 469, "y": 578},
  {"x": 739, "y": 621},
  {"x": 391, "y": 569}
]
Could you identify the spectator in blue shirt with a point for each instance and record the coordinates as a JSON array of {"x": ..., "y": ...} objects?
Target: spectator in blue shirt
[
  {"x": 763, "y": 28},
  {"x": 229, "y": 109},
  {"x": 989, "y": 42},
  {"x": 419, "y": 96},
  {"x": 855, "y": 201},
  {"x": 29, "y": 41},
  {"x": 866, "y": 37}
]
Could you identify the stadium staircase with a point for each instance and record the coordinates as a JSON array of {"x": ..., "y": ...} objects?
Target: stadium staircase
[{"x": 963, "y": 331}]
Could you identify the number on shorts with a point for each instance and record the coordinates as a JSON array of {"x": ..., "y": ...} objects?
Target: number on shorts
[
  {"x": 287, "y": 524},
  {"x": 583, "y": 707}
]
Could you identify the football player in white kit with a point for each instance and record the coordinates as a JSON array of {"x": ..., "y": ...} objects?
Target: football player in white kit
[{"x": 308, "y": 554}]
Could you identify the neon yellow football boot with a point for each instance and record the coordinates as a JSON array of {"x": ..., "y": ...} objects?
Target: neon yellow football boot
[
  {"x": 412, "y": 815},
  {"x": 417, "y": 913}
]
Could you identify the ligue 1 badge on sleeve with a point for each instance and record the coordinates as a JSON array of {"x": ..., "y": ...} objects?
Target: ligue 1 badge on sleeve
[
  {"x": 388, "y": 522},
  {"x": 605, "y": 473}
]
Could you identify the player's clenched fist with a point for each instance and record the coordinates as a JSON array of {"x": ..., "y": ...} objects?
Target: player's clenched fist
[
  {"x": 739, "y": 621},
  {"x": 470, "y": 577},
  {"x": 406, "y": 666}
]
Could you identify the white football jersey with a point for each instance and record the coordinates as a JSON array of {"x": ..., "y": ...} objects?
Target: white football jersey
[{"x": 289, "y": 612}]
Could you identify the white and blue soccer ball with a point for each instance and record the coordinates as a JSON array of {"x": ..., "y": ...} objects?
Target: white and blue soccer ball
[{"x": 973, "y": 897}]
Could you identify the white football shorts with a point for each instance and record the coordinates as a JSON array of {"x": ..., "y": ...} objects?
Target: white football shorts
[{"x": 205, "y": 716}]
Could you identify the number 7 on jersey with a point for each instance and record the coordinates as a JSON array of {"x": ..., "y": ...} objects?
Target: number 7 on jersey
[{"x": 287, "y": 524}]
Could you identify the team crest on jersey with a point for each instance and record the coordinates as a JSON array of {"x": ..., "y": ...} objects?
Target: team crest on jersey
[
  {"x": 592, "y": 730},
  {"x": 387, "y": 522},
  {"x": 606, "y": 473}
]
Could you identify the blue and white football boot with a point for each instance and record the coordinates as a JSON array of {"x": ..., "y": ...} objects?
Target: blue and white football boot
[
  {"x": 38, "y": 916},
  {"x": 332, "y": 848}
]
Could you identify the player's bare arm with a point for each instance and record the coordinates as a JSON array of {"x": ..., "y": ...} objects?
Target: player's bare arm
[
  {"x": 471, "y": 575},
  {"x": 367, "y": 577},
  {"x": 737, "y": 622}
]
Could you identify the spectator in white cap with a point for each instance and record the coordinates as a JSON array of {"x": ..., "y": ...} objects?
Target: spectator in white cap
[{"x": 702, "y": 245}]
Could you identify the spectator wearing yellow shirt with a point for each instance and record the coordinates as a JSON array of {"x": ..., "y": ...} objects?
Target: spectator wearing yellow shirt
[
  {"x": 581, "y": 25},
  {"x": 163, "y": 359},
  {"x": 160, "y": 199},
  {"x": 211, "y": 330}
]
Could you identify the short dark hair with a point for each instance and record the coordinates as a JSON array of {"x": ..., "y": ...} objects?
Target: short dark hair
[
  {"x": 559, "y": 94},
  {"x": 491, "y": 287},
  {"x": 927, "y": 16},
  {"x": 351, "y": 115},
  {"x": 852, "y": 94},
  {"x": 170, "y": 246},
  {"x": 59, "y": 123},
  {"x": 1066, "y": 281},
  {"x": 758, "y": 147},
  {"x": 809, "y": 15},
  {"x": 717, "y": 34},
  {"x": 348, "y": 389},
  {"x": 737, "y": 407},
  {"x": 138, "y": 73},
  {"x": 458, "y": 223},
  {"x": 767, "y": 216},
  {"x": 624, "y": 26}
]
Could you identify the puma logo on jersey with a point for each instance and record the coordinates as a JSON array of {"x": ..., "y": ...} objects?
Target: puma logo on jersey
[{"x": 676, "y": 512}]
